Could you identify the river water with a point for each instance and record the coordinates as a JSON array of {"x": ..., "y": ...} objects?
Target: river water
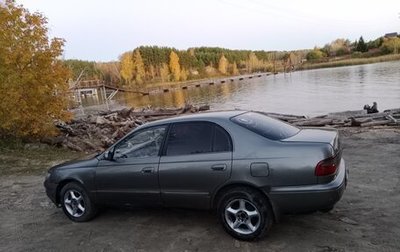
[{"x": 310, "y": 92}]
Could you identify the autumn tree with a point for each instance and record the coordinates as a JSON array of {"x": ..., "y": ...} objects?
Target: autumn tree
[
  {"x": 391, "y": 45},
  {"x": 315, "y": 54},
  {"x": 138, "y": 67},
  {"x": 110, "y": 72},
  {"x": 164, "y": 72},
  {"x": 174, "y": 66},
  {"x": 223, "y": 65},
  {"x": 338, "y": 47},
  {"x": 252, "y": 62},
  {"x": 127, "y": 67},
  {"x": 235, "y": 70},
  {"x": 33, "y": 80},
  {"x": 184, "y": 74}
]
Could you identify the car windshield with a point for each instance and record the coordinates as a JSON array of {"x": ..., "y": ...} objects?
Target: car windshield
[{"x": 266, "y": 126}]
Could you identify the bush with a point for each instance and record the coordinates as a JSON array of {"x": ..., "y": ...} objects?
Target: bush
[
  {"x": 33, "y": 80},
  {"x": 315, "y": 54}
]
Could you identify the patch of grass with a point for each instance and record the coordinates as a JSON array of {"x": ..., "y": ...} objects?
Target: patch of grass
[
  {"x": 33, "y": 158},
  {"x": 350, "y": 62}
]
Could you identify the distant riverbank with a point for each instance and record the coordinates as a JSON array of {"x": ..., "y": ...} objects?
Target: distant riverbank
[
  {"x": 350, "y": 62},
  {"x": 165, "y": 87}
]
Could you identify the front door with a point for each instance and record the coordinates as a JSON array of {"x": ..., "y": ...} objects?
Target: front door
[
  {"x": 196, "y": 160},
  {"x": 131, "y": 176}
]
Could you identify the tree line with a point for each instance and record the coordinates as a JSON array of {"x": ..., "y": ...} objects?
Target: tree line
[
  {"x": 152, "y": 65},
  {"x": 147, "y": 65}
]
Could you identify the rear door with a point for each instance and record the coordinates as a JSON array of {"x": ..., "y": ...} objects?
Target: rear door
[{"x": 197, "y": 159}]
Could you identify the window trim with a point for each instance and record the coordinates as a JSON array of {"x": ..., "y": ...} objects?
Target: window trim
[{"x": 213, "y": 124}]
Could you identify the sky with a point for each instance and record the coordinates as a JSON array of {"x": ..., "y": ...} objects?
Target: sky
[{"x": 102, "y": 30}]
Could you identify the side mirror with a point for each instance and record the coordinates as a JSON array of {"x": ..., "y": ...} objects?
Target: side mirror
[{"x": 108, "y": 155}]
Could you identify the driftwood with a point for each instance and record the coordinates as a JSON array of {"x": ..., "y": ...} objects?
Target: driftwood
[
  {"x": 358, "y": 118},
  {"x": 97, "y": 132}
]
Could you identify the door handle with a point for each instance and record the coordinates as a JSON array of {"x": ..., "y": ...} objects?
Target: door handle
[
  {"x": 218, "y": 167},
  {"x": 148, "y": 170}
]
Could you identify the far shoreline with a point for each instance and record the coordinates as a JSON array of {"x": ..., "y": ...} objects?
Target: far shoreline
[{"x": 161, "y": 87}]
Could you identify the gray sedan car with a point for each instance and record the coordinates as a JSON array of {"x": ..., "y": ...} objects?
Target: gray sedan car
[{"x": 247, "y": 166}]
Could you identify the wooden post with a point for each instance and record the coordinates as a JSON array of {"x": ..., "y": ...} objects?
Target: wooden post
[{"x": 105, "y": 97}]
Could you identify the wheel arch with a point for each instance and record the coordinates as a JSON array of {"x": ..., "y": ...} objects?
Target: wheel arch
[
  {"x": 62, "y": 184},
  {"x": 220, "y": 191}
]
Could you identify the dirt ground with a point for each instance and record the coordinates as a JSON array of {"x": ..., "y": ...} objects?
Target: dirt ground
[{"x": 366, "y": 219}]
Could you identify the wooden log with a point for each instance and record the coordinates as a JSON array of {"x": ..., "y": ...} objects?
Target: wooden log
[
  {"x": 392, "y": 119},
  {"x": 281, "y": 115},
  {"x": 72, "y": 146},
  {"x": 357, "y": 122},
  {"x": 154, "y": 114},
  {"x": 375, "y": 123},
  {"x": 204, "y": 108},
  {"x": 314, "y": 122}
]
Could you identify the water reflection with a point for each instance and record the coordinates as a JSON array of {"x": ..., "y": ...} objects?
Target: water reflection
[{"x": 310, "y": 92}]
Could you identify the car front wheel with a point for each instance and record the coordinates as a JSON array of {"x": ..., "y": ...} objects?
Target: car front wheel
[
  {"x": 76, "y": 204},
  {"x": 245, "y": 213}
]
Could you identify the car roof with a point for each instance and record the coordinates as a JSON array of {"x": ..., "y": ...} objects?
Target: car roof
[{"x": 206, "y": 116}]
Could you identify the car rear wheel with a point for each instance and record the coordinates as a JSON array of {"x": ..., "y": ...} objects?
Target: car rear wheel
[
  {"x": 245, "y": 213},
  {"x": 76, "y": 204}
]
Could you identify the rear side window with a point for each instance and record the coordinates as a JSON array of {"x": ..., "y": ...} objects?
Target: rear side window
[
  {"x": 265, "y": 126},
  {"x": 222, "y": 141},
  {"x": 197, "y": 137}
]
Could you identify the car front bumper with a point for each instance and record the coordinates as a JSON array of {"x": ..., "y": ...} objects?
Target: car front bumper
[
  {"x": 294, "y": 199},
  {"x": 51, "y": 190}
]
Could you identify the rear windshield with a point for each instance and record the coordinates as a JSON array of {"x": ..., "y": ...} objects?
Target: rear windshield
[{"x": 266, "y": 126}]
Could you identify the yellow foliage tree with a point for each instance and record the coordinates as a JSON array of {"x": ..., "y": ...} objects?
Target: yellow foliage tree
[
  {"x": 184, "y": 74},
  {"x": 127, "y": 67},
  {"x": 174, "y": 66},
  {"x": 253, "y": 62},
  {"x": 223, "y": 65},
  {"x": 110, "y": 71},
  {"x": 33, "y": 80},
  {"x": 164, "y": 72},
  {"x": 235, "y": 70},
  {"x": 138, "y": 67}
]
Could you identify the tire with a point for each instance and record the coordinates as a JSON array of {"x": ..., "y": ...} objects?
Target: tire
[
  {"x": 245, "y": 213},
  {"x": 76, "y": 203}
]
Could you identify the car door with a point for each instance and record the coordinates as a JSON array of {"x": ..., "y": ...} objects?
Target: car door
[
  {"x": 197, "y": 159},
  {"x": 130, "y": 176}
]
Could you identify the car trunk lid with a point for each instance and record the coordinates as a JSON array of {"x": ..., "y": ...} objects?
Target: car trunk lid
[{"x": 311, "y": 135}]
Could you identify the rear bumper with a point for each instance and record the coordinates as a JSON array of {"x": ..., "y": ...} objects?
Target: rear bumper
[{"x": 294, "y": 199}]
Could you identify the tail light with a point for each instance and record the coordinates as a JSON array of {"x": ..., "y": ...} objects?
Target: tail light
[{"x": 327, "y": 166}]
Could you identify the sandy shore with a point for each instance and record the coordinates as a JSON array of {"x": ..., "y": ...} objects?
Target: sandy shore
[{"x": 366, "y": 219}]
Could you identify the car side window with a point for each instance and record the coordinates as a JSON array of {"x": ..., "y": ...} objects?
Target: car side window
[
  {"x": 142, "y": 144},
  {"x": 197, "y": 137},
  {"x": 222, "y": 140}
]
